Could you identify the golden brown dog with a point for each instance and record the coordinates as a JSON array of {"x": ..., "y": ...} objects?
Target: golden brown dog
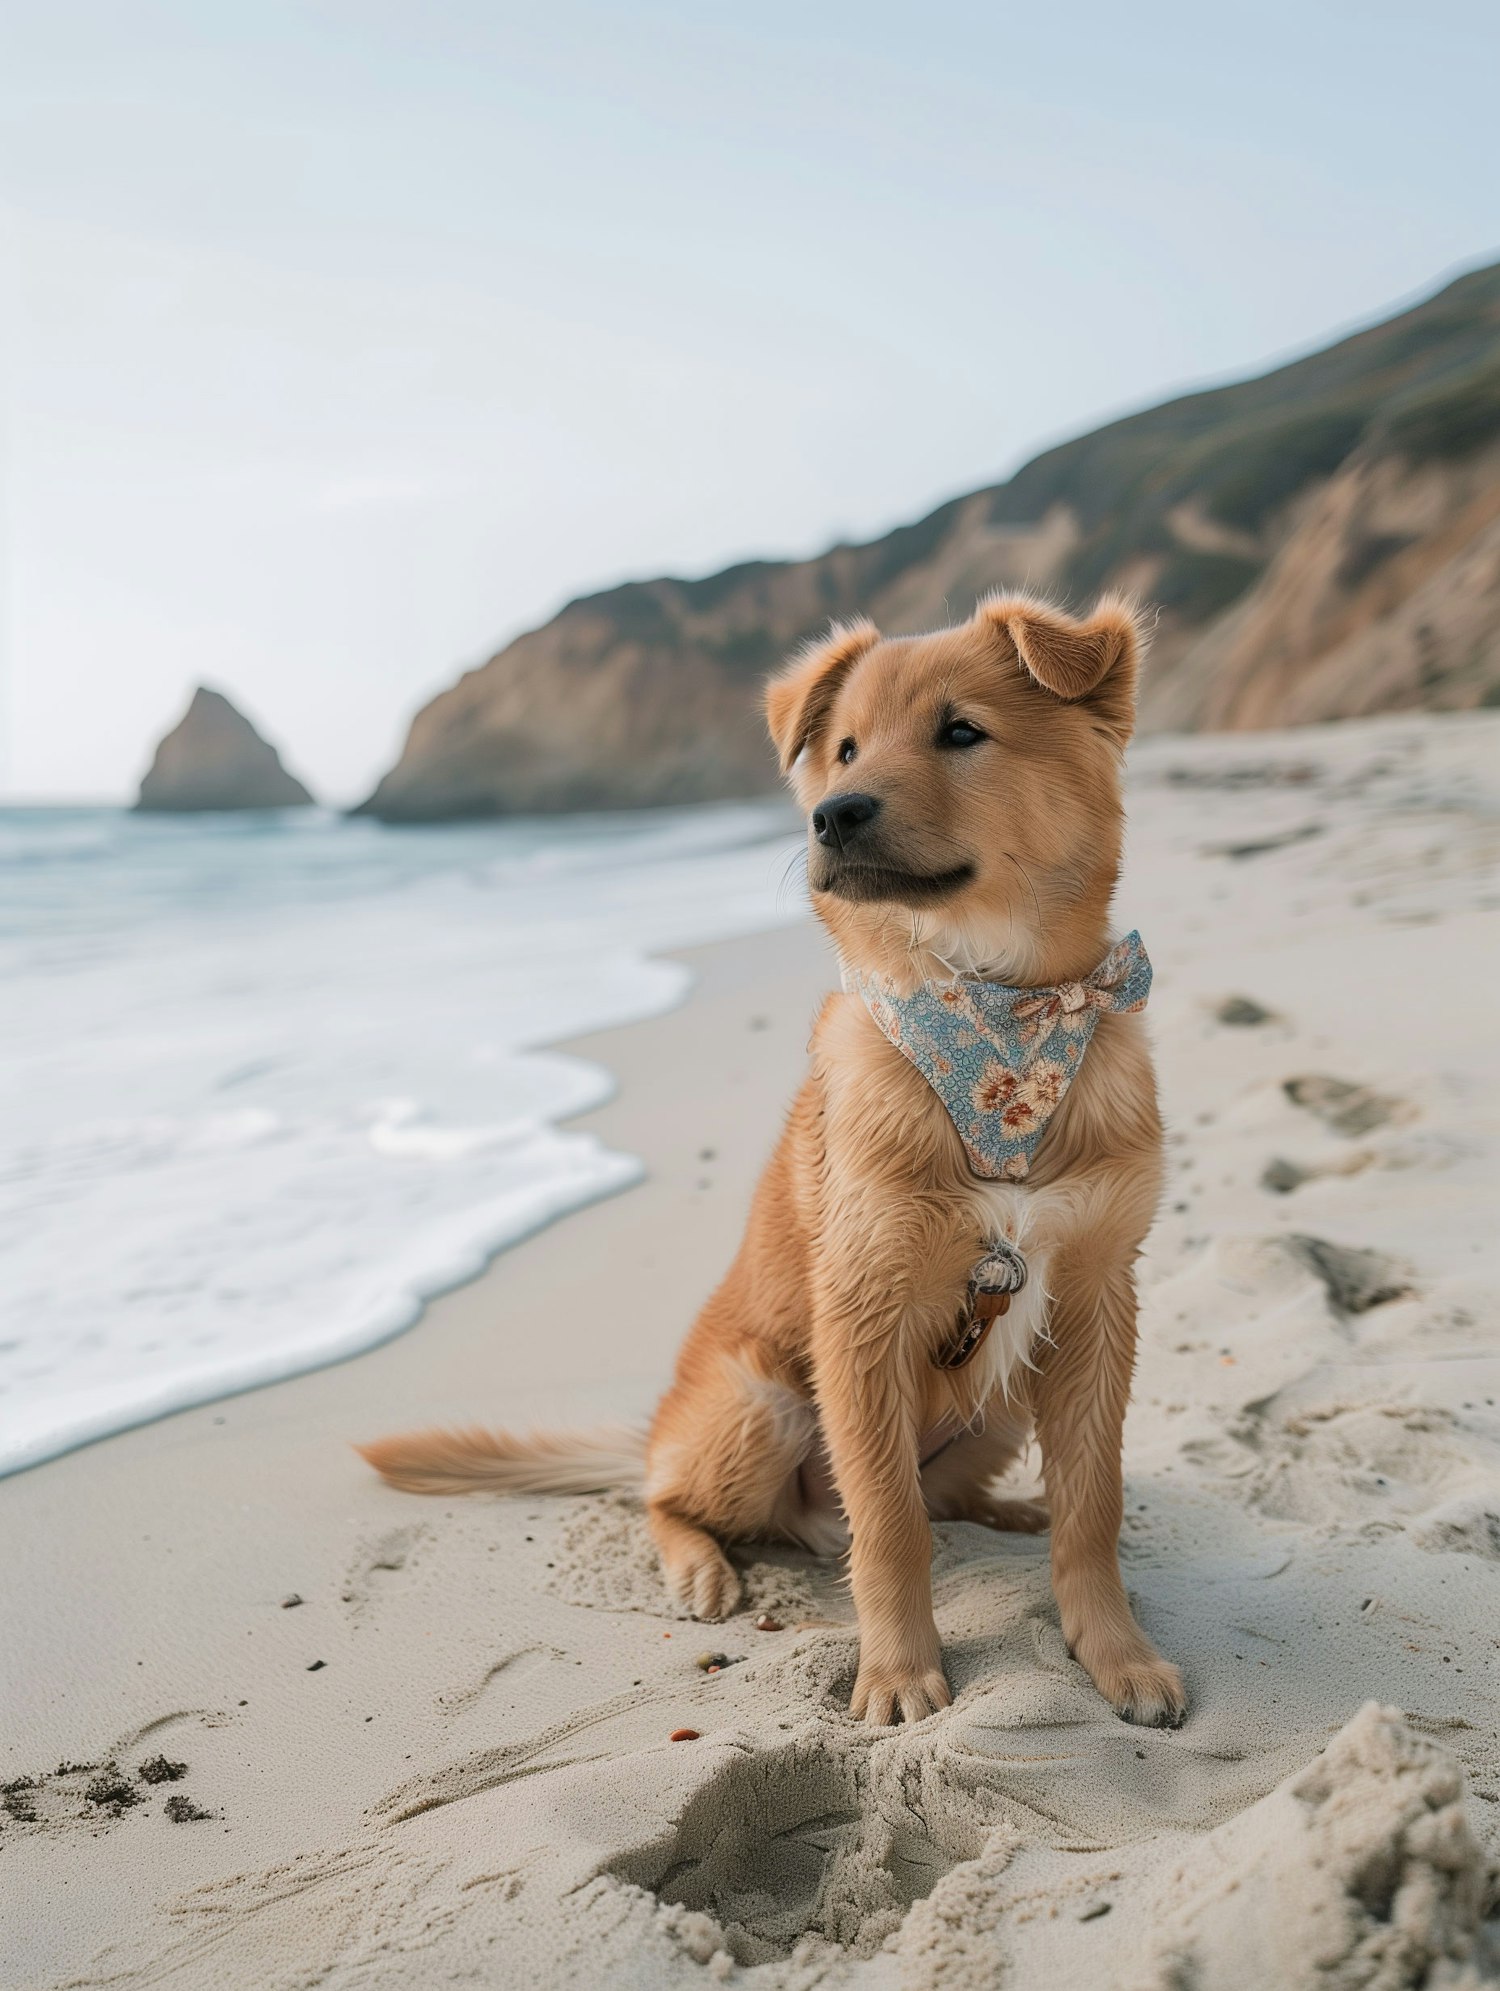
[{"x": 964, "y": 799}]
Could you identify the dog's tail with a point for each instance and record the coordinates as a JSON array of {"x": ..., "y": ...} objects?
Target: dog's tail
[{"x": 475, "y": 1461}]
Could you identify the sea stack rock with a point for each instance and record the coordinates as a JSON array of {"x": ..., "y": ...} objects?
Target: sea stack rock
[{"x": 213, "y": 758}]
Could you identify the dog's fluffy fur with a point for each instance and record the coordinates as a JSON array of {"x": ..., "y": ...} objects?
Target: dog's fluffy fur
[{"x": 806, "y": 1403}]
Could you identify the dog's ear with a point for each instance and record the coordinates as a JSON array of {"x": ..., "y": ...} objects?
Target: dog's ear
[
  {"x": 1093, "y": 663},
  {"x": 798, "y": 700}
]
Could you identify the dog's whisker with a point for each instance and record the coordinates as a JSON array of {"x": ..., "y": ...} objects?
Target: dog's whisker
[
  {"x": 797, "y": 861},
  {"x": 1035, "y": 901}
]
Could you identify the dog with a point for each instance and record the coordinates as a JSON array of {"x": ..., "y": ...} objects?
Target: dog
[{"x": 853, "y": 1378}]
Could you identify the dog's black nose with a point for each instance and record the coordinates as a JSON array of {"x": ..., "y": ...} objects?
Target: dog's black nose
[{"x": 840, "y": 818}]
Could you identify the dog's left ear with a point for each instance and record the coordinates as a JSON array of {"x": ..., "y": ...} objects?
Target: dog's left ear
[{"x": 1093, "y": 663}]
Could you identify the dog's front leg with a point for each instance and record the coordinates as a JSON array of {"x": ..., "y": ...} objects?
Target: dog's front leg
[
  {"x": 865, "y": 1405},
  {"x": 1079, "y": 1396}
]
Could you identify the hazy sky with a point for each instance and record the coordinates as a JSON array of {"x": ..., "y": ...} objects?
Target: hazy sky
[{"x": 342, "y": 341}]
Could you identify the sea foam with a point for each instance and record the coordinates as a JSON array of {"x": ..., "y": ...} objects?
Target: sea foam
[{"x": 270, "y": 1084}]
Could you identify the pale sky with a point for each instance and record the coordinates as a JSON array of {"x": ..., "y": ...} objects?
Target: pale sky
[{"x": 340, "y": 342}]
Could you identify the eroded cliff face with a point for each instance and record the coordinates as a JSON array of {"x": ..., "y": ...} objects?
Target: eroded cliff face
[
  {"x": 213, "y": 758},
  {"x": 651, "y": 694},
  {"x": 1318, "y": 542},
  {"x": 1382, "y": 596}
]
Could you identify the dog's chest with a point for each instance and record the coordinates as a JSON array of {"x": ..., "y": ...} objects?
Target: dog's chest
[{"x": 1005, "y": 1210}]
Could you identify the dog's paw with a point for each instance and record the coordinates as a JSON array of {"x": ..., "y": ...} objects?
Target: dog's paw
[
  {"x": 1015, "y": 1517},
  {"x": 884, "y": 1696},
  {"x": 1141, "y": 1687},
  {"x": 705, "y": 1583}
]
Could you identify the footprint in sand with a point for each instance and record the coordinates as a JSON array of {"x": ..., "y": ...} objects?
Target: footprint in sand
[
  {"x": 833, "y": 1834},
  {"x": 1352, "y": 1464},
  {"x": 375, "y": 1561},
  {"x": 1345, "y": 1107},
  {"x": 767, "y": 1847},
  {"x": 1354, "y": 1279},
  {"x": 511, "y": 1669},
  {"x": 1466, "y": 1525}
]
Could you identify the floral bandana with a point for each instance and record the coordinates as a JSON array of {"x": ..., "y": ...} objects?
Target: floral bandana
[{"x": 1001, "y": 1059}]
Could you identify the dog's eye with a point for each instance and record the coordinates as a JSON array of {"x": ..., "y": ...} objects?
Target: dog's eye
[
  {"x": 959, "y": 733},
  {"x": 847, "y": 752}
]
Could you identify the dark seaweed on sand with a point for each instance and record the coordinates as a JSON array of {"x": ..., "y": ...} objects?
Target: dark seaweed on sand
[
  {"x": 112, "y": 1791},
  {"x": 17, "y": 1803},
  {"x": 182, "y": 1811},
  {"x": 157, "y": 1770}
]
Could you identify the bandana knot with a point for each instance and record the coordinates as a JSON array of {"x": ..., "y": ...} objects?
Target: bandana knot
[{"x": 1001, "y": 1059}]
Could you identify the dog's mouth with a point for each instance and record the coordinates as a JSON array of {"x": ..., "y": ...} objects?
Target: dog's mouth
[{"x": 864, "y": 884}]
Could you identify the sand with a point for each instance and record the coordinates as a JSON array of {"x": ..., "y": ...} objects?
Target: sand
[{"x": 447, "y": 1763}]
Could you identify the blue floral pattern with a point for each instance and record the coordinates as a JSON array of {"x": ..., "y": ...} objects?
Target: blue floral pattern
[{"x": 1002, "y": 1059}]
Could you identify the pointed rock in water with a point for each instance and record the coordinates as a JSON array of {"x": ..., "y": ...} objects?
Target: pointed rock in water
[{"x": 214, "y": 759}]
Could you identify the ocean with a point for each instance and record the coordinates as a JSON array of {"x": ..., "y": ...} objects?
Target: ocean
[{"x": 268, "y": 1083}]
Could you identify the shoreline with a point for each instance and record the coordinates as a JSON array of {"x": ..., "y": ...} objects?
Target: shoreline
[
  {"x": 179, "y": 1537},
  {"x": 448, "y": 1761}
]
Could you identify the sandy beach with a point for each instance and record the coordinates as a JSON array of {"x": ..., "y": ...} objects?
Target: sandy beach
[{"x": 409, "y": 1744}]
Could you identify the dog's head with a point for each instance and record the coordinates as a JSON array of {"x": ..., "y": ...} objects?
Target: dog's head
[{"x": 963, "y": 789}]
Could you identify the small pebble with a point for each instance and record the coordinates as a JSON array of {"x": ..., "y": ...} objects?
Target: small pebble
[
  {"x": 766, "y": 1623},
  {"x": 290, "y": 1603},
  {"x": 708, "y": 1662},
  {"x": 684, "y": 1735}
]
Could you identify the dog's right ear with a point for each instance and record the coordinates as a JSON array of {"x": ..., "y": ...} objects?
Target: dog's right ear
[{"x": 798, "y": 700}]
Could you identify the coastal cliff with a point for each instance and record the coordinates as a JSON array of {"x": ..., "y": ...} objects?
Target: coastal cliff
[
  {"x": 213, "y": 758},
  {"x": 1319, "y": 542}
]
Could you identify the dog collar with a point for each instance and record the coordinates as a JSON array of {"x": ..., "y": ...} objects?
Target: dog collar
[
  {"x": 1001, "y": 1059},
  {"x": 999, "y": 1273}
]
